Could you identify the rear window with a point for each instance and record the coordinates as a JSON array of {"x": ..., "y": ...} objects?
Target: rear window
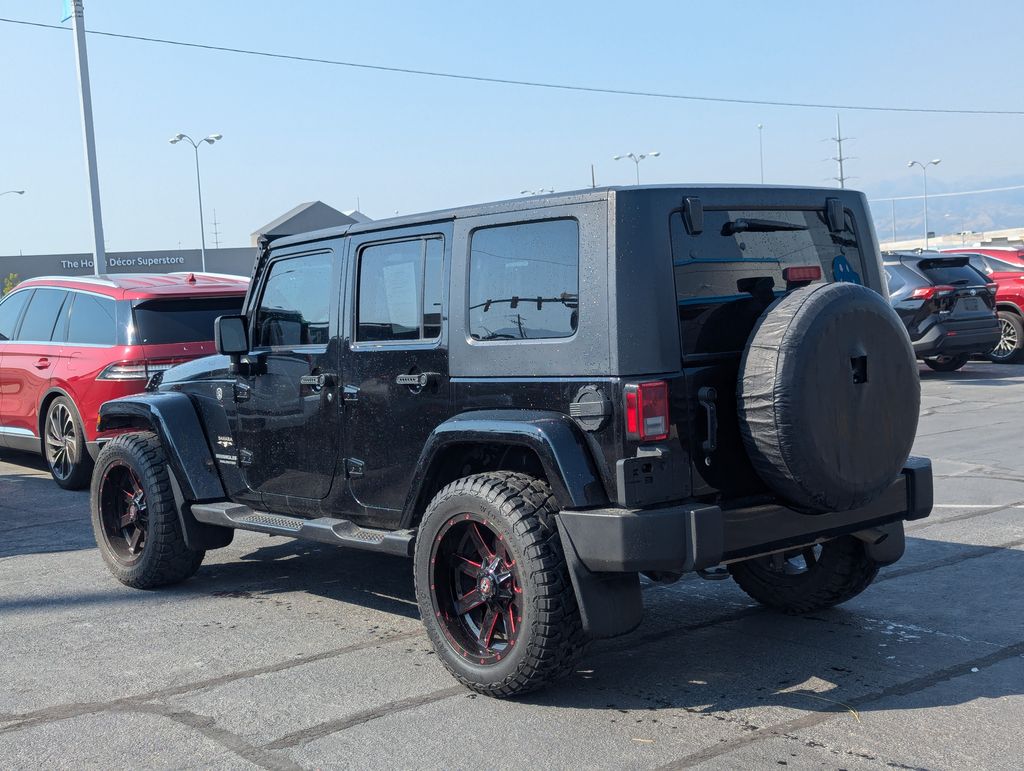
[
  {"x": 951, "y": 272},
  {"x": 185, "y": 320},
  {"x": 740, "y": 244}
]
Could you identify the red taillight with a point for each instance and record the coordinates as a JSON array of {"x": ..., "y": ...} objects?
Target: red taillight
[
  {"x": 801, "y": 273},
  {"x": 992, "y": 287},
  {"x": 928, "y": 292},
  {"x": 647, "y": 418},
  {"x": 137, "y": 370}
]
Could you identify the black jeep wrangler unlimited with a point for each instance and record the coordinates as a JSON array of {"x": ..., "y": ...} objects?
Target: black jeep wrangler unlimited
[{"x": 538, "y": 401}]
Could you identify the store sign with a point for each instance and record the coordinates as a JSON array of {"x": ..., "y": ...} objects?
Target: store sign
[{"x": 124, "y": 262}]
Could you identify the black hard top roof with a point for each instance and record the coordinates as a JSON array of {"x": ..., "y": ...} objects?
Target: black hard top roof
[{"x": 526, "y": 203}]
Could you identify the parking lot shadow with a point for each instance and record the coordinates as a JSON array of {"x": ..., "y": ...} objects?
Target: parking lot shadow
[
  {"x": 980, "y": 373},
  {"x": 37, "y": 516}
]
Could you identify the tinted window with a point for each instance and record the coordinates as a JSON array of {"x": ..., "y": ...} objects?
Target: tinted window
[
  {"x": 737, "y": 244},
  {"x": 180, "y": 321},
  {"x": 296, "y": 302},
  {"x": 524, "y": 281},
  {"x": 41, "y": 315},
  {"x": 91, "y": 320},
  {"x": 399, "y": 293},
  {"x": 950, "y": 274},
  {"x": 10, "y": 309}
]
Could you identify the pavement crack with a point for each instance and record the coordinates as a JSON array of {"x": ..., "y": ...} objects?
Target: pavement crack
[
  {"x": 77, "y": 709},
  {"x": 790, "y": 728},
  {"x": 959, "y": 517},
  {"x": 980, "y": 551},
  {"x": 329, "y": 727}
]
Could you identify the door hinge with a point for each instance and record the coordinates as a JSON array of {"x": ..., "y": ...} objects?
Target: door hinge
[
  {"x": 242, "y": 392},
  {"x": 354, "y": 467},
  {"x": 245, "y": 457},
  {"x": 350, "y": 393}
]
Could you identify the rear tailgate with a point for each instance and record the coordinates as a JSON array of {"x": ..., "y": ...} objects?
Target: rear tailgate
[
  {"x": 727, "y": 272},
  {"x": 967, "y": 293}
]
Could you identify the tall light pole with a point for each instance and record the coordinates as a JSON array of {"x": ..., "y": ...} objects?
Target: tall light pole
[
  {"x": 760, "y": 148},
  {"x": 636, "y": 159},
  {"x": 199, "y": 186},
  {"x": 16, "y": 192},
  {"x": 924, "y": 172}
]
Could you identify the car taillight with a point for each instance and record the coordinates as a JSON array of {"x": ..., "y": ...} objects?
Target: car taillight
[
  {"x": 992, "y": 287},
  {"x": 801, "y": 273},
  {"x": 647, "y": 418},
  {"x": 928, "y": 292},
  {"x": 137, "y": 370}
]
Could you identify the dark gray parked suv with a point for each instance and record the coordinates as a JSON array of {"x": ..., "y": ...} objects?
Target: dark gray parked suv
[
  {"x": 948, "y": 306},
  {"x": 539, "y": 401}
]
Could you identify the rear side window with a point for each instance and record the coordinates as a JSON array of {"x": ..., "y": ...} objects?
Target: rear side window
[
  {"x": 759, "y": 244},
  {"x": 524, "y": 281},
  {"x": 295, "y": 306},
  {"x": 399, "y": 292},
  {"x": 41, "y": 315},
  {"x": 92, "y": 320},
  {"x": 181, "y": 320},
  {"x": 10, "y": 310}
]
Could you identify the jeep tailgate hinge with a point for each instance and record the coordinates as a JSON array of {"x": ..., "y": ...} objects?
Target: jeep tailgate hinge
[{"x": 354, "y": 467}]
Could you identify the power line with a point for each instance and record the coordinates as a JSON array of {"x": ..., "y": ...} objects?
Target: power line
[
  {"x": 527, "y": 83},
  {"x": 947, "y": 195}
]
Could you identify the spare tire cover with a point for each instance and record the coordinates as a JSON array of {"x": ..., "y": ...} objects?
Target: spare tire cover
[{"x": 829, "y": 396}]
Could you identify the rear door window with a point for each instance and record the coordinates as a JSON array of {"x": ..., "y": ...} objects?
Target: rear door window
[
  {"x": 10, "y": 312},
  {"x": 182, "y": 320},
  {"x": 399, "y": 291},
  {"x": 951, "y": 272},
  {"x": 41, "y": 315},
  {"x": 91, "y": 320}
]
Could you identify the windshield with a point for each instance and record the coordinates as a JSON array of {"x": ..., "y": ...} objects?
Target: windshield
[{"x": 182, "y": 320}]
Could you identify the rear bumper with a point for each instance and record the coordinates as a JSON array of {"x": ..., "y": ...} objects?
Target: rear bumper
[
  {"x": 953, "y": 337},
  {"x": 691, "y": 537}
]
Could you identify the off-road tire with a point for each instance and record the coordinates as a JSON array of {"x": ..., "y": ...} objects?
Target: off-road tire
[
  {"x": 948, "y": 363},
  {"x": 843, "y": 571},
  {"x": 165, "y": 559},
  {"x": 551, "y": 638},
  {"x": 1016, "y": 328},
  {"x": 80, "y": 472}
]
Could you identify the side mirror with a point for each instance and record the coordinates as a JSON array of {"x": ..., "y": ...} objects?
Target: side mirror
[{"x": 229, "y": 333}]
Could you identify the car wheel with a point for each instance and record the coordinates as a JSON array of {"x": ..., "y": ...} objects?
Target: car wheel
[
  {"x": 493, "y": 586},
  {"x": 808, "y": 579},
  {"x": 1011, "y": 339},
  {"x": 947, "y": 363},
  {"x": 134, "y": 517},
  {"x": 64, "y": 445}
]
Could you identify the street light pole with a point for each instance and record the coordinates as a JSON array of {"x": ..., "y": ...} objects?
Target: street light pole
[
  {"x": 199, "y": 185},
  {"x": 760, "y": 148},
  {"x": 16, "y": 192},
  {"x": 636, "y": 159},
  {"x": 924, "y": 171}
]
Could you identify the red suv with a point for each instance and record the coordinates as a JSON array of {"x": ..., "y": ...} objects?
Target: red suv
[
  {"x": 69, "y": 344},
  {"x": 1005, "y": 266}
]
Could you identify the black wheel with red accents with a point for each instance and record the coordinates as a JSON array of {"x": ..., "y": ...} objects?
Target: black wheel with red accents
[
  {"x": 134, "y": 517},
  {"x": 493, "y": 586}
]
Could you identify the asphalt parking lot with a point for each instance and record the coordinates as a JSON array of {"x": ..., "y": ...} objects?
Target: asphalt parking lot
[{"x": 289, "y": 655}]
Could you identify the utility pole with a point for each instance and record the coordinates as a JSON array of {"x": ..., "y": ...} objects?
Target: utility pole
[
  {"x": 760, "y": 148},
  {"x": 593, "y": 177},
  {"x": 216, "y": 232},
  {"x": 839, "y": 158},
  {"x": 85, "y": 94},
  {"x": 892, "y": 203}
]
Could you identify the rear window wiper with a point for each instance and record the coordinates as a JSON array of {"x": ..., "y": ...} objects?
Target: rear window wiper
[{"x": 747, "y": 225}]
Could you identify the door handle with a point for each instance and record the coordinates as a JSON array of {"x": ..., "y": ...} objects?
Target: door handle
[
  {"x": 42, "y": 363},
  {"x": 317, "y": 381},
  {"x": 418, "y": 380}
]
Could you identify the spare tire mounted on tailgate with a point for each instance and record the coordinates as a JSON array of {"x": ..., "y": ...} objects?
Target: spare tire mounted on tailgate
[{"x": 829, "y": 396}]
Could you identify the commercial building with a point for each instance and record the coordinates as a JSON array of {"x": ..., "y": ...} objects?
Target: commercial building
[{"x": 235, "y": 260}]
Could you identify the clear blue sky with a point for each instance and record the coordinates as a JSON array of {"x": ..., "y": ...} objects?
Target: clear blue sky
[{"x": 295, "y": 132}]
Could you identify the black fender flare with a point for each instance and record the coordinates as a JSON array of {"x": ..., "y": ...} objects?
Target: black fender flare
[
  {"x": 552, "y": 436},
  {"x": 193, "y": 473}
]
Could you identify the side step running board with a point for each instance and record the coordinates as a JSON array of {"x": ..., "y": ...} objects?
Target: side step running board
[{"x": 339, "y": 532}]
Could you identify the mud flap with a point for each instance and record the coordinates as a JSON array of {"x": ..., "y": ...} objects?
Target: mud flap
[
  {"x": 198, "y": 535},
  {"x": 610, "y": 603}
]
